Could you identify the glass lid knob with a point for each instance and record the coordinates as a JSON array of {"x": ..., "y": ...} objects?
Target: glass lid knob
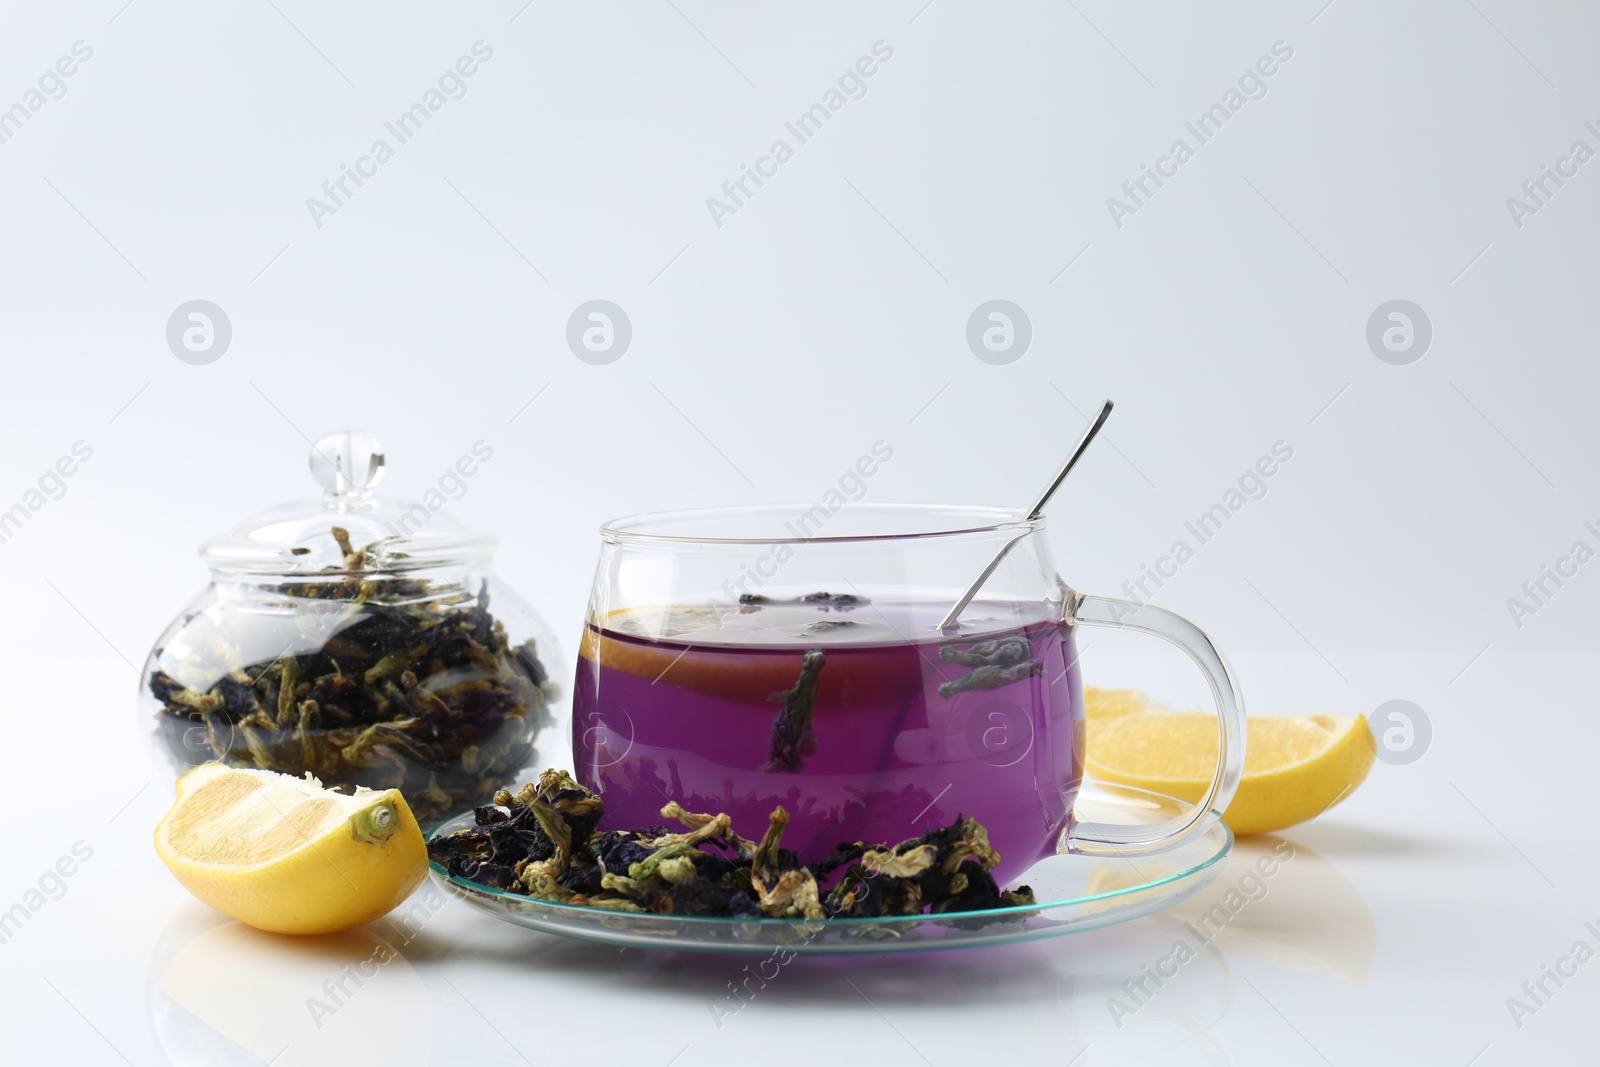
[{"x": 347, "y": 463}]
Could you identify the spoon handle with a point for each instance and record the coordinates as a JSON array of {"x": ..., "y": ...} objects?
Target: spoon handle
[{"x": 1038, "y": 509}]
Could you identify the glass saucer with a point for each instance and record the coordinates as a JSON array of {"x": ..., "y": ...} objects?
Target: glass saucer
[{"x": 1074, "y": 893}]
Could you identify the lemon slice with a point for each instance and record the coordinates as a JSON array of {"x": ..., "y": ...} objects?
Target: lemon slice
[
  {"x": 747, "y": 674},
  {"x": 1102, "y": 707},
  {"x": 1295, "y": 767},
  {"x": 284, "y": 854}
]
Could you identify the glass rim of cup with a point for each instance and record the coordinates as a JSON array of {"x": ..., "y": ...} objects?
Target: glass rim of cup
[{"x": 646, "y": 528}]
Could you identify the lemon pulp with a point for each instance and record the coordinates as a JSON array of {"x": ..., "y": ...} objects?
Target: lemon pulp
[
  {"x": 286, "y": 855},
  {"x": 1295, "y": 768}
]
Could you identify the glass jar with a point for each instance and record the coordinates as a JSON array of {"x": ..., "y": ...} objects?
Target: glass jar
[{"x": 362, "y": 640}]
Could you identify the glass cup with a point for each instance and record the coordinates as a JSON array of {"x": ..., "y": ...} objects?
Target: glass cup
[{"x": 738, "y": 659}]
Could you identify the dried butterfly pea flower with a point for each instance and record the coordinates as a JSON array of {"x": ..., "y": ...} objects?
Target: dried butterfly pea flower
[
  {"x": 745, "y": 848},
  {"x": 995, "y": 663},
  {"x": 792, "y": 737},
  {"x": 1002, "y": 651},
  {"x": 405, "y": 683},
  {"x": 993, "y": 676},
  {"x": 903, "y": 865},
  {"x": 836, "y": 601},
  {"x": 823, "y": 600},
  {"x": 793, "y": 895},
  {"x": 543, "y": 842}
]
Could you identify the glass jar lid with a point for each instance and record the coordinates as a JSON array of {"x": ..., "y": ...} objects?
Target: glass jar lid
[{"x": 300, "y": 537}]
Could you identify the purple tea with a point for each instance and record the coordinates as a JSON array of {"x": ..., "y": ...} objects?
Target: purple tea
[{"x": 858, "y": 717}]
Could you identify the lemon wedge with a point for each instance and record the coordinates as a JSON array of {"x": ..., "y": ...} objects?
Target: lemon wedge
[
  {"x": 1295, "y": 768},
  {"x": 744, "y": 674},
  {"x": 285, "y": 855},
  {"x": 1102, "y": 707}
]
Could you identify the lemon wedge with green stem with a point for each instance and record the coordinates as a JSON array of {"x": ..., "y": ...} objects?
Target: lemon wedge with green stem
[{"x": 285, "y": 855}]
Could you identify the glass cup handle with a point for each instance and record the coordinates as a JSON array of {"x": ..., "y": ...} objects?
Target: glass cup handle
[{"x": 1101, "y": 839}]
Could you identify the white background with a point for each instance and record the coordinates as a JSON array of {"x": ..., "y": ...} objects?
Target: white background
[{"x": 829, "y": 312}]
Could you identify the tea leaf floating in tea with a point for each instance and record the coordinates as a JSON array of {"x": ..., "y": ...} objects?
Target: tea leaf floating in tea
[
  {"x": 827, "y": 626},
  {"x": 836, "y": 601},
  {"x": 543, "y": 842},
  {"x": 823, "y": 600},
  {"x": 396, "y": 682},
  {"x": 993, "y": 676},
  {"x": 1005, "y": 651},
  {"x": 792, "y": 737},
  {"x": 994, "y": 664}
]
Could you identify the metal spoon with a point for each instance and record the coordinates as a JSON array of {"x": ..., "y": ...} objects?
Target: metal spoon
[{"x": 1038, "y": 509}]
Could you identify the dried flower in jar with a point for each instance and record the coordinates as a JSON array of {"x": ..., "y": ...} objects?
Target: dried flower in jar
[{"x": 397, "y": 682}]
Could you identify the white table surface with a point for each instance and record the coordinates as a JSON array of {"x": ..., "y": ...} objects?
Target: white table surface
[
  {"x": 1404, "y": 921},
  {"x": 768, "y": 352}
]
